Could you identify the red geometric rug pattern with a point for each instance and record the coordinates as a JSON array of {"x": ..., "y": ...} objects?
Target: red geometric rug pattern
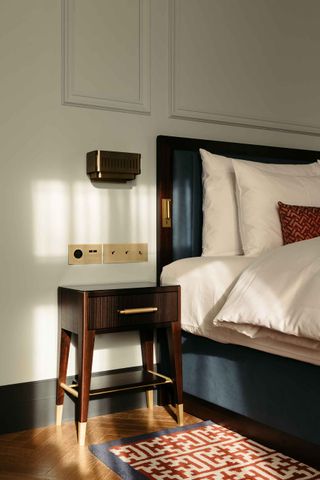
[{"x": 204, "y": 451}]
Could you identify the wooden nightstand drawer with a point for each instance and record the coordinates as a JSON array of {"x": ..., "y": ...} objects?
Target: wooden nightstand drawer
[{"x": 116, "y": 311}]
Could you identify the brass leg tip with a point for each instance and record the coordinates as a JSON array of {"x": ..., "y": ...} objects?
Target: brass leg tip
[
  {"x": 82, "y": 427},
  {"x": 59, "y": 410},
  {"x": 149, "y": 398},
  {"x": 179, "y": 410}
]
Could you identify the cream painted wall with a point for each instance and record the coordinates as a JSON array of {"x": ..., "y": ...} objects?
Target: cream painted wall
[{"x": 47, "y": 200}]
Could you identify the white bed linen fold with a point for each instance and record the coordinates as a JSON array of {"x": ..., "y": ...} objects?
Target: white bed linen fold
[
  {"x": 205, "y": 285},
  {"x": 278, "y": 292}
]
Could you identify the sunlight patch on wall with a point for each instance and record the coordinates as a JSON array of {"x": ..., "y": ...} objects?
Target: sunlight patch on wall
[
  {"x": 116, "y": 350},
  {"x": 51, "y": 218},
  {"x": 44, "y": 341},
  {"x": 86, "y": 213},
  {"x": 78, "y": 213},
  {"x": 62, "y": 215},
  {"x": 139, "y": 216}
]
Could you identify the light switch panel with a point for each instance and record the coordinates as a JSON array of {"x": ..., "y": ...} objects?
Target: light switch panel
[{"x": 125, "y": 252}]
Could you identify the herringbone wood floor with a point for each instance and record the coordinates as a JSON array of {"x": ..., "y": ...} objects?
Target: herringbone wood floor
[{"x": 52, "y": 453}]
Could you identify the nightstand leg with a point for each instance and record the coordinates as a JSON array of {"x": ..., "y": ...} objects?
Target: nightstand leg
[
  {"x": 85, "y": 349},
  {"x": 175, "y": 352},
  {"x": 146, "y": 339},
  {"x": 65, "y": 340}
]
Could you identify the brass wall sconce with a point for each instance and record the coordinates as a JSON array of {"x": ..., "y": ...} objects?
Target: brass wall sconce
[{"x": 106, "y": 166}]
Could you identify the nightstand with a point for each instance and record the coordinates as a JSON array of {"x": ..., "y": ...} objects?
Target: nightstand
[{"x": 87, "y": 310}]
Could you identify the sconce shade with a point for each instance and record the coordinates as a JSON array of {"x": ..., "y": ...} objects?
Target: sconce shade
[{"x": 106, "y": 166}]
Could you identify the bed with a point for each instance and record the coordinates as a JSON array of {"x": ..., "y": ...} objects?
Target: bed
[{"x": 270, "y": 380}]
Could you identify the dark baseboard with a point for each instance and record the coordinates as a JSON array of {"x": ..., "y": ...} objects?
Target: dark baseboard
[
  {"x": 32, "y": 404},
  {"x": 306, "y": 452}
]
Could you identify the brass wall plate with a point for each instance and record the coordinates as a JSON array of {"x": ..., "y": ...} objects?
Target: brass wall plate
[
  {"x": 125, "y": 252},
  {"x": 84, "y": 254}
]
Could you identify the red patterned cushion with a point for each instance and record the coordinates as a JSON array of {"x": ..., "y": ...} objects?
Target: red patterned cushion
[{"x": 298, "y": 223}]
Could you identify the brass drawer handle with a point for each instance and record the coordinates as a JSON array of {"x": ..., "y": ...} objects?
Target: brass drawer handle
[{"x": 132, "y": 311}]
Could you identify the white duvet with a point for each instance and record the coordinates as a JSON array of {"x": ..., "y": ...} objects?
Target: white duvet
[{"x": 279, "y": 291}]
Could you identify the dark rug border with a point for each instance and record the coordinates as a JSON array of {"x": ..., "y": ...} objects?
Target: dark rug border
[{"x": 101, "y": 451}]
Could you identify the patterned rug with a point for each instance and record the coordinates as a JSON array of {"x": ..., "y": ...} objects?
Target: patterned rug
[{"x": 203, "y": 451}]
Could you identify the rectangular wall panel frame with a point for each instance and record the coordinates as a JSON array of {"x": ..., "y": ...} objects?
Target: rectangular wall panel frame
[
  {"x": 141, "y": 104},
  {"x": 180, "y": 111}
]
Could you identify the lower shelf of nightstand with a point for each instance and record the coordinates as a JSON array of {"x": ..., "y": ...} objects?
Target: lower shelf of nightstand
[{"x": 119, "y": 382}]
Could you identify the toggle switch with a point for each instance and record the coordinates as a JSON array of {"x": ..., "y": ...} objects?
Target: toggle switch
[{"x": 125, "y": 252}]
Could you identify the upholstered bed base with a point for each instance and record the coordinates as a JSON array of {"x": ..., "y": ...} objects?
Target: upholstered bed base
[{"x": 277, "y": 391}]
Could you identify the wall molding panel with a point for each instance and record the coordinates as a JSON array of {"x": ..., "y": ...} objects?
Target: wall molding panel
[
  {"x": 106, "y": 63},
  {"x": 247, "y": 80}
]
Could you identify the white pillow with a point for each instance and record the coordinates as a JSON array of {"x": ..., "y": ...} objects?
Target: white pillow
[
  {"x": 220, "y": 234},
  {"x": 258, "y": 194}
]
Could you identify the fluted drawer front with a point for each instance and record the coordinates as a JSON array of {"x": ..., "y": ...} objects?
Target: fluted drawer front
[{"x": 115, "y": 311}]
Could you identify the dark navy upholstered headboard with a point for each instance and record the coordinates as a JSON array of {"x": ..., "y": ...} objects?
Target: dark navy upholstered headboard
[{"x": 179, "y": 189}]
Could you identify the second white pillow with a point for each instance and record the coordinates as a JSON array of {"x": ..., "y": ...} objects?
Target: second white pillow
[{"x": 258, "y": 194}]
